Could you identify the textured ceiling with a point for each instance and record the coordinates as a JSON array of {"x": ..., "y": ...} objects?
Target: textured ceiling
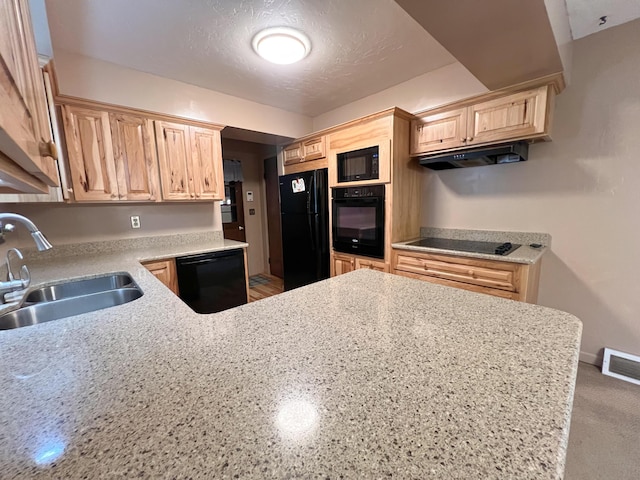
[
  {"x": 359, "y": 47},
  {"x": 584, "y": 15}
]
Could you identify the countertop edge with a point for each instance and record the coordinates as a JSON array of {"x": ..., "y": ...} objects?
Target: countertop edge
[{"x": 532, "y": 257}]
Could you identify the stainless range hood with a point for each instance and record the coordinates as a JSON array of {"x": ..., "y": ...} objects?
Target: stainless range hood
[{"x": 475, "y": 157}]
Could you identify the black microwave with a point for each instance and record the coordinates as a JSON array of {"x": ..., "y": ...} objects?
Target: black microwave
[{"x": 359, "y": 165}]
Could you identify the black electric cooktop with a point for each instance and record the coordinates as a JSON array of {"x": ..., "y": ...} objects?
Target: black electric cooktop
[{"x": 473, "y": 246}]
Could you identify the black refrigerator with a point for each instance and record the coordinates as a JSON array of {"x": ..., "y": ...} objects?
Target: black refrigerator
[{"x": 304, "y": 208}]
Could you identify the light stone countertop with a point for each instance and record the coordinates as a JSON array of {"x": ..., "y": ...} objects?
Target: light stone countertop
[
  {"x": 365, "y": 375},
  {"x": 523, "y": 254}
]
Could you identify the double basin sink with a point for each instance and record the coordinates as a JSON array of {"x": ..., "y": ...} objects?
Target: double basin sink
[{"x": 70, "y": 298}]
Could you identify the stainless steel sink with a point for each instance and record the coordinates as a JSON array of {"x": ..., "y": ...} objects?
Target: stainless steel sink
[
  {"x": 72, "y": 298},
  {"x": 77, "y": 288}
]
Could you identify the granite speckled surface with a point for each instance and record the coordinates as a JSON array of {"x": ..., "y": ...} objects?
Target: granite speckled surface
[
  {"x": 365, "y": 375},
  {"x": 523, "y": 254}
]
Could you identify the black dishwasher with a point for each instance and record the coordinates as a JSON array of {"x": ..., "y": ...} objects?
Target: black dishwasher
[{"x": 212, "y": 282}]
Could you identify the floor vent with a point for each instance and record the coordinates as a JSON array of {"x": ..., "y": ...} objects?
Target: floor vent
[{"x": 621, "y": 365}]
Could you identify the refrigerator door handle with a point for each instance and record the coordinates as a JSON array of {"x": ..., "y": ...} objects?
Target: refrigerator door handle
[{"x": 311, "y": 191}]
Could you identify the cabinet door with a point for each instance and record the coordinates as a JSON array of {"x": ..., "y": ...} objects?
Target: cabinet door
[
  {"x": 313, "y": 149},
  {"x": 25, "y": 137},
  {"x": 439, "y": 131},
  {"x": 293, "y": 154},
  {"x": 521, "y": 114},
  {"x": 165, "y": 271},
  {"x": 372, "y": 265},
  {"x": 89, "y": 145},
  {"x": 343, "y": 264},
  {"x": 135, "y": 157},
  {"x": 206, "y": 158},
  {"x": 174, "y": 153}
]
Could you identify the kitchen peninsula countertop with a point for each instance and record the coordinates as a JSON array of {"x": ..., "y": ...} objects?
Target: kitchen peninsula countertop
[{"x": 363, "y": 375}]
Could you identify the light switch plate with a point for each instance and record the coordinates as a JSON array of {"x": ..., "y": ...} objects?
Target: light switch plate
[
  {"x": 135, "y": 221},
  {"x": 249, "y": 196}
]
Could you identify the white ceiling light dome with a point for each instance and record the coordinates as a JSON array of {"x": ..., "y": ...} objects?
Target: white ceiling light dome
[{"x": 281, "y": 45}]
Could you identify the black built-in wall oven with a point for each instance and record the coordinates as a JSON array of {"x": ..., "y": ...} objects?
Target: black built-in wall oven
[{"x": 358, "y": 220}]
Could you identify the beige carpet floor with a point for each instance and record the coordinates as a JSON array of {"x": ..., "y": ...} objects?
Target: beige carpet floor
[{"x": 604, "y": 440}]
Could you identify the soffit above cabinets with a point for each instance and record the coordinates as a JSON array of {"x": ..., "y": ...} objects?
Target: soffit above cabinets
[{"x": 359, "y": 47}]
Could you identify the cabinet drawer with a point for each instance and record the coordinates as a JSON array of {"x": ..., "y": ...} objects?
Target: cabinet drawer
[
  {"x": 499, "y": 276},
  {"x": 372, "y": 265},
  {"x": 465, "y": 286}
]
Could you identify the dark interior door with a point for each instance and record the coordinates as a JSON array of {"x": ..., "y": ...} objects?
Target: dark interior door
[
  {"x": 273, "y": 216},
  {"x": 233, "y": 212}
]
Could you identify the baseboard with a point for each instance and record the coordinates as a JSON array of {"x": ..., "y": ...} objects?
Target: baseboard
[{"x": 593, "y": 359}]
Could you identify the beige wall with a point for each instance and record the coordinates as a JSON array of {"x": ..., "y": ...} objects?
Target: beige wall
[
  {"x": 86, "y": 223},
  {"x": 583, "y": 188},
  {"x": 444, "y": 85},
  {"x": 107, "y": 82},
  {"x": 251, "y": 155}
]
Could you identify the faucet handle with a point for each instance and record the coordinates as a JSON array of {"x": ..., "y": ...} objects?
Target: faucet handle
[
  {"x": 18, "y": 253},
  {"x": 25, "y": 276}
]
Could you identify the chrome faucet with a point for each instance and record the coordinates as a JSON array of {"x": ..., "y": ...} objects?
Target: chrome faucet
[
  {"x": 14, "y": 288},
  {"x": 41, "y": 241}
]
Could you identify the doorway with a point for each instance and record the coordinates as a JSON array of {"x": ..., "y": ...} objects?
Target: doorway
[
  {"x": 252, "y": 189},
  {"x": 274, "y": 232},
  {"x": 232, "y": 209}
]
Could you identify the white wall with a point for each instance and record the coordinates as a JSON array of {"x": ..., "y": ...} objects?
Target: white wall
[
  {"x": 87, "y": 223},
  {"x": 583, "y": 188},
  {"x": 86, "y": 77},
  {"x": 444, "y": 85}
]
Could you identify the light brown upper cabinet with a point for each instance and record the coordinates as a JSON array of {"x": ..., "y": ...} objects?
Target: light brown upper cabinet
[
  {"x": 305, "y": 150},
  {"x": 190, "y": 160},
  {"x": 134, "y": 150},
  {"x": 90, "y": 152},
  {"x": 206, "y": 156},
  {"x": 27, "y": 154},
  {"x": 489, "y": 119},
  {"x": 111, "y": 155},
  {"x": 439, "y": 131}
]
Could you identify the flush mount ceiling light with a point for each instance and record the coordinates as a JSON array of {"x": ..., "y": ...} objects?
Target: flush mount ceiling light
[{"x": 281, "y": 45}]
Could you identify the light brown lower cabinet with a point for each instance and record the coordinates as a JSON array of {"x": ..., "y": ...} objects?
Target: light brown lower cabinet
[
  {"x": 514, "y": 281},
  {"x": 165, "y": 271},
  {"x": 344, "y": 263}
]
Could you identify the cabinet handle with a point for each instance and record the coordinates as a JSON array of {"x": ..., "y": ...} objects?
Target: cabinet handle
[
  {"x": 469, "y": 139},
  {"x": 48, "y": 149},
  {"x": 462, "y": 140},
  {"x": 113, "y": 195}
]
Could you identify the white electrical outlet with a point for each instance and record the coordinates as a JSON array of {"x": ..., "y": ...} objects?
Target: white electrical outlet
[{"x": 135, "y": 221}]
